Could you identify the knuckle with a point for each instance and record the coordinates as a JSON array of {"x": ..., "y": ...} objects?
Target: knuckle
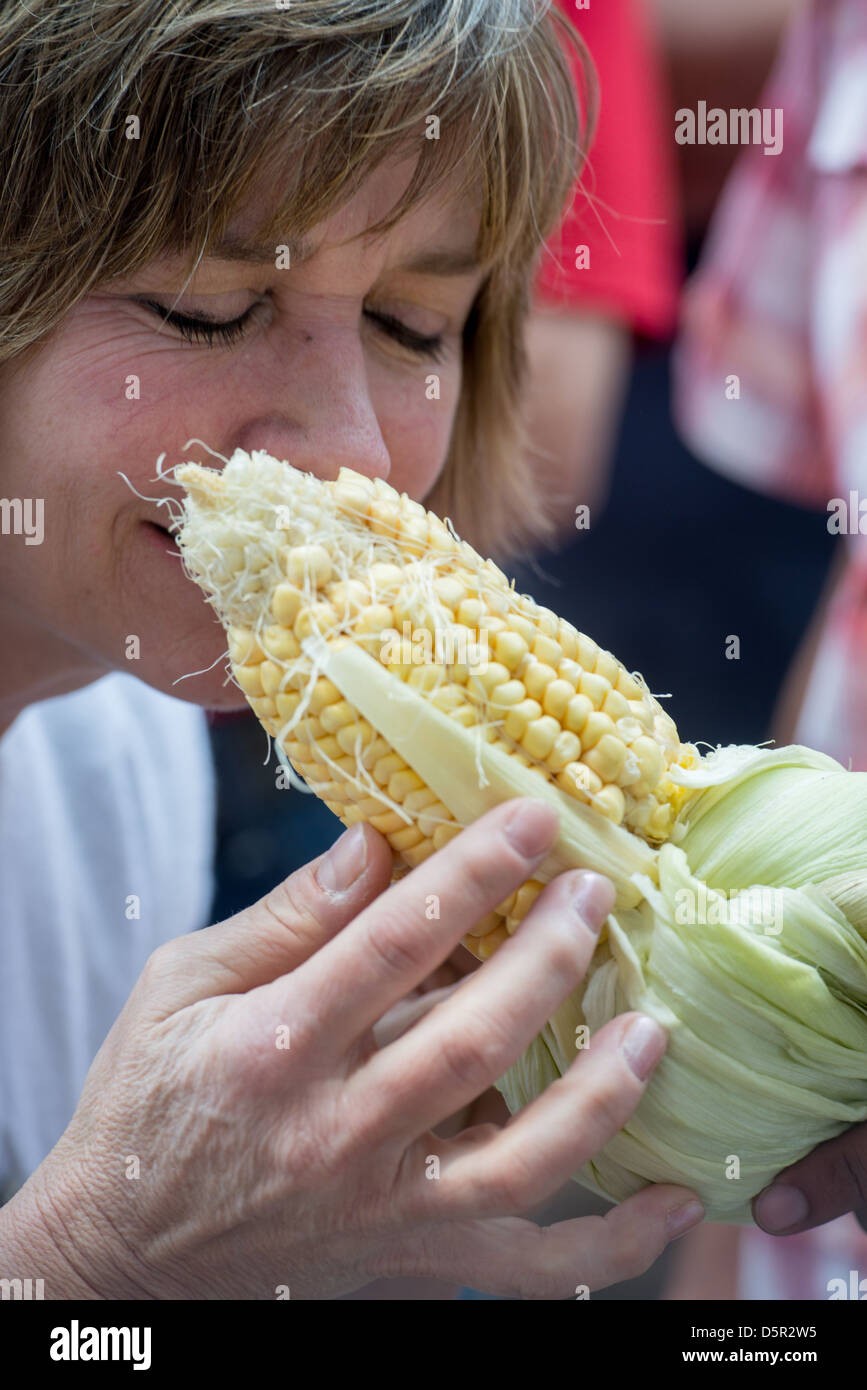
[
  {"x": 474, "y": 1056},
  {"x": 630, "y": 1257},
  {"x": 515, "y": 1187},
  {"x": 601, "y": 1110},
  {"x": 159, "y": 966},
  {"x": 399, "y": 953}
]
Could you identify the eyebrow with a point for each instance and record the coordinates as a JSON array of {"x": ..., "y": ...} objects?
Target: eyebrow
[{"x": 443, "y": 260}]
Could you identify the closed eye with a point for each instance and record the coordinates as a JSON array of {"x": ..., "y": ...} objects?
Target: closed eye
[{"x": 210, "y": 331}]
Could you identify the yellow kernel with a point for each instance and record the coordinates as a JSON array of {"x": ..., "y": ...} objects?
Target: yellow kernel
[
  {"x": 577, "y": 712},
  {"x": 607, "y": 757},
  {"x": 608, "y": 666},
  {"x": 555, "y": 700},
  {"x": 263, "y": 707},
  {"x": 470, "y": 611},
  {"x": 483, "y": 682},
  {"x": 271, "y": 676},
  {"x": 336, "y": 716},
  {"x": 525, "y": 897},
  {"x": 384, "y": 577},
  {"x": 347, "y": 596},
  {"x": 243, "y": 647},
  {"x": 536, "y": 676},
  {"x": 507, "y": 694},
  {"x": 567, "y": 636},
  {"x": 449, "y": 591},
  {"x": 510, "y": 648},
  {"x": 628, "y": 686},
  {"x": 317, "y": 618},
  {"x": 547, "y": 622},
  {"x": 432, "y": 816},
  {"x": 357, "y": 735},
  {"x": 547, "y": 649},
  {"x": 587, "y": 652},
  {"x": 486, "y": 924},
  {"x": 539, "y": 738},
  {"x": 448, "y": 696},
  {"x": 616, "y": 705},
  {"x": 387, "y": 767},
  {"x": 596, "y": 725},
  {"x": 649, "y": 758},
  {"x": 280, "y": 643},
  {"x": 487, "y": 945},
  {"x": 660, "y": 822},
  {"x": 286, "y": 604},
  {"x": 416, "y": 801},
  {"x": 566, "y": 749},
  {"x": 324, "y": 693},
  {"x": 520, "y": 716},
  {"x": 308, "y": 564},
  {"x": 523, "y": 626},
  {"x": 594, "y": 687},
  {"x": 384, "y": 516},
  {"x": 640, "y": 710},
  {"x": 611, "y": 803},
  {"x": 406, "y": 838},
  {"x": 373, "y": 617},
  {"x": 249, "y": 679},
  {"x": 570, "y": 671},
  {"x": 444, "y": 832},
  {"x": 426, "y": 676},
  {"x": 505, "y": 907},
  {"x": 402, "y": 783},
  {"x": 413, "y": 535},
  {"x": 287, "y": 703}
]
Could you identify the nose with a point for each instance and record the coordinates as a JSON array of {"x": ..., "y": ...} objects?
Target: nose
[{"x": 325, "y": 421}]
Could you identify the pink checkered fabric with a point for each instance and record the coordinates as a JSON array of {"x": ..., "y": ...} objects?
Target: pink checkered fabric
[{"x": 780, "y": 302}]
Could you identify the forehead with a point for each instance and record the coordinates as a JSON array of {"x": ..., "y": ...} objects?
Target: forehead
[{"x": 437, "y": 236}]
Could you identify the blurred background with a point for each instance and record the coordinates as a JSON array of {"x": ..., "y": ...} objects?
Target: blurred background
[{"x": 677, "y": 559}]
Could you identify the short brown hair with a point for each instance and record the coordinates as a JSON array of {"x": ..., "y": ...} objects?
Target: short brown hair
[{"x": 321, "y": 90}]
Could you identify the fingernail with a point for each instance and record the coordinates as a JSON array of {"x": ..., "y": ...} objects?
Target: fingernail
[
  {"x": 593, "y": 899},
  {"x": 779, "y": 1207},
  {"x": 530, "y": 828},
  {"x": 344, "y": 862},
  {"x": 682, "y": 1219},
  {"x": 643, "y": 1045}
]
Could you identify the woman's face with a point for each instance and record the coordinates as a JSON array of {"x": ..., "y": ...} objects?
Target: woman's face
[{"x": 316, "y": 376}]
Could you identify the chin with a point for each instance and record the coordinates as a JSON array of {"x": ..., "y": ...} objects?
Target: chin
[{"x": 210, "y": 688}]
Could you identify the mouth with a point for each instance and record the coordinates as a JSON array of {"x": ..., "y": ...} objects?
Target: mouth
[{"x": 160, "y": 535}]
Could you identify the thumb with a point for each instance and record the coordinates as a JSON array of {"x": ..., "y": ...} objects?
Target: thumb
[
  {"x": 281, "y": 930},
  {"x": 829, "y": 1182}
]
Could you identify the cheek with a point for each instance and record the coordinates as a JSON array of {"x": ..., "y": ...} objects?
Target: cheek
[{"x": 416, "y": 423}]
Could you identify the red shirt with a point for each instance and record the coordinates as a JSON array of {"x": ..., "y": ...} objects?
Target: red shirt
[{"x": 630, "y": 220}]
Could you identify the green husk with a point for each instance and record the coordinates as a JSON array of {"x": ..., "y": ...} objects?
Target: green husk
[{"x": 750, "y": 950}]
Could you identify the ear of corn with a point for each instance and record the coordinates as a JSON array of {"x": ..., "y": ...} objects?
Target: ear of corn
[{"x": 410, "y": 686}]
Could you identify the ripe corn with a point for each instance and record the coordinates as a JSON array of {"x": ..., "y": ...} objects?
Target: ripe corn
[{"x": 410, "y": 686}]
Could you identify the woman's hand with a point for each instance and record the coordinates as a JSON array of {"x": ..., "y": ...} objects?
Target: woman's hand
[{"x": 242, "y": 1135}]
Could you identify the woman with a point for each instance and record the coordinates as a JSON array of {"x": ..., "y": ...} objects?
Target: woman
[{"x": 293, "y": 230}]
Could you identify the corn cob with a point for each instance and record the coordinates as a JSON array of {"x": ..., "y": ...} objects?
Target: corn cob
[{"x": 331, "y": 592}]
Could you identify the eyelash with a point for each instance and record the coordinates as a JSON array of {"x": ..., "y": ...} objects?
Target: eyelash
[{"x": 202, "y": 330}]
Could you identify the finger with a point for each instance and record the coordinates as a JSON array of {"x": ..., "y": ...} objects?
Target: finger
[
  {"x": 469, "y": 1041},
  {"x": 277, "y": 934},
  {"x": 549, "y": 1140},
  {"x": 515, "y": 1258},
  {"x": 396, "y": 942},
  {"x": 829, "y": 1182}
]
